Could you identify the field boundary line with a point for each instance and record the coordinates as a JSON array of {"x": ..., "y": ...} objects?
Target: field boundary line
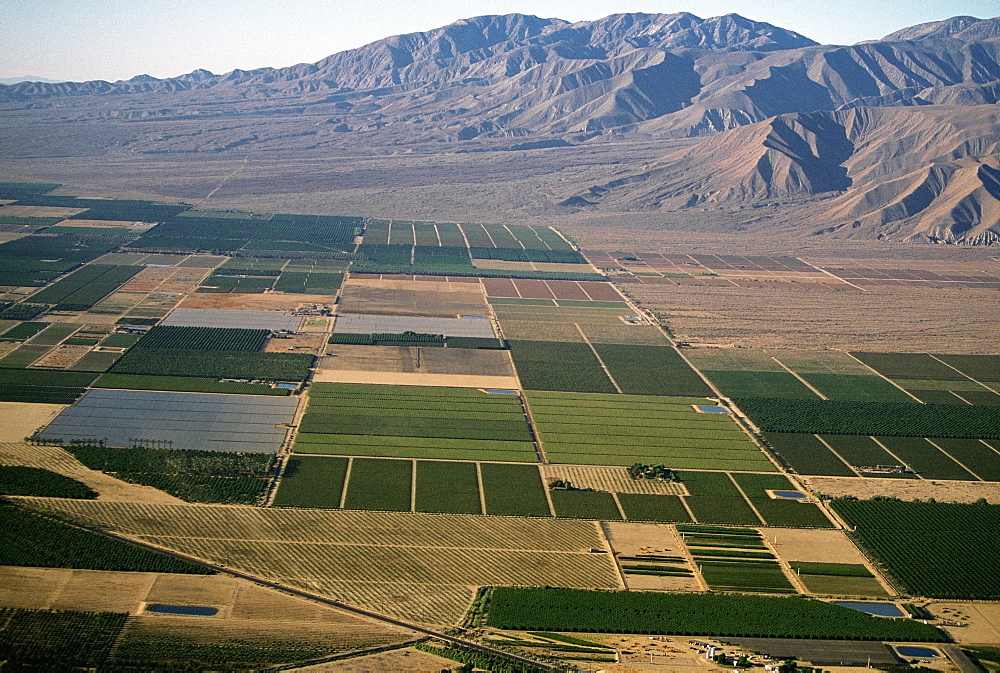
[
  {"x": 461, "y": 230},
  {"x": 786, "y": 568},
  {"x": 957, "y": 461},
  {"x": 482, "y": 491},
  {"x": 990, "y": 446},
  {"x": 618, "y": 504},
  {"x": 832, "y": 275},
  {"x": 351, "y": 654},
  {"x": 834, "y": 452},
  {"x": 593, "y": 350},
  {"x": 955, "y": 393},
  {"x": 611, "y": 552},
  {"x": 689, "y": 557},
  {"x": 799, "y": 377},
  {"x": 413, "y": 484},
  {"x": 901, "y": 461},
  {"x": 548, "y": 494},
  {"x": 437, "y": 233},
  {"x": 687, "y": 508},
  {"x": 347, "y": 480},
  {"x": 964, "y": 374},
  {"x": 739, "y": 488},
  {"x": 880, "y": 374}
]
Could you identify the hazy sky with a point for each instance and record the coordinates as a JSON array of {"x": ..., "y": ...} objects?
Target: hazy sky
[{"x": 117, "y": 39}]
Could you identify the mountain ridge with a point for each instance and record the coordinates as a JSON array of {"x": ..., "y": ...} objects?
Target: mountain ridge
[{"x": 779, "y": 116}]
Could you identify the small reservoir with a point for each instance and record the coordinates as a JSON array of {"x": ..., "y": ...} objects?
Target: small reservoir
[
  {"x": 877, "y": 609},
  {"x": 709, "y": 409},
  {"x": 192, "y": 610},
  {"x": 914, "y": 651},
  {"x": 790, "y": 495}
]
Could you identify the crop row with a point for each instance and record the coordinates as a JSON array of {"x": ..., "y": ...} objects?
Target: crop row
[
  {"x": 693, "y": 614},
  {"x": 933, "y": 549},
  {"x": 204, "y": 338},
  {"x": 31, "y": 540},
  {"x": 872, "y": 418},
  {"x": 85, "y": 287},
  {"x": 217, "y": 364},
  {"x": 184, "y": 384}
]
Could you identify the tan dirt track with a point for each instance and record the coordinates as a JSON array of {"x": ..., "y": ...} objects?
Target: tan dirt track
[{"x": 272, "y": 301}]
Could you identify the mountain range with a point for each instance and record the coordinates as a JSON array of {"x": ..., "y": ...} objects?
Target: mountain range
[{"x": 892, "y": 138}]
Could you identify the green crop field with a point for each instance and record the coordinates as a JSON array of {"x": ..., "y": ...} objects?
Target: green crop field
[
  {"x": 24, "y": 331},
  {"x": 858, "y": 450},
  {"x": 195, "y": 476},
  {"x": 83, "y": 288},
  {"x": 34, "y": 481},
  {"x": 780, "y": 512},
  {"x": 379, "y": 485},
  {"x": 720, "y": 509},
  {"x": 975, "y": 455},
  {"x": 417, "y": 422},
  {"x": 624, "y": 429},
  {"x": 51, "y": 387},
  {"x": 778, "y": 384},
  {"x": 63, "y": 640},
  {"x": 856, "y": 388},
  {"x": 584, "y": 505},
  {"x": 909, "y": 366},
  {"x": 311, "y": 481},
  {"x": 514, "y": 490},
  {"x": 807, "y": 455},
  {"x": 185, "y": 384},
  {"x": 448, "y": 487},
  {"x": 648, "y": 507},
  {"x": 937, "y": 550},
  {"x": 651, "y": 370},
  {"x": 979, "y": 367},
  {"x": 693, "y": 614},
  {"x": 556, "y": 365},
  {"x": 302, "y": 282},
  {"x": 872, "y": 418},
  {"x": 217, "y": 364},
  {"x": 31, "y": 540},
  {"x": 204, "y": 338},
  {"x": 737, "y": 576},
  {"x": 925, "y": 458}
]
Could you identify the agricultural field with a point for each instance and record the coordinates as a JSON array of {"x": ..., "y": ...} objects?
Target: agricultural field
[
  {"x": 204, "y": 338},
  {"x": 625, "y": 429},
  {"x": 166, "y": 420},
  {"x": 561, "y": 366},
  {"x": 552, "y": 609},
  {"x": 414, "y": 422},
  {"x": 36, "y": 541},
  {"x": 194, "y": 476},
  {"x": 929, "y": 549},
  {"x": 235, "y": 364},
  {"x": 402, "y": 564}
]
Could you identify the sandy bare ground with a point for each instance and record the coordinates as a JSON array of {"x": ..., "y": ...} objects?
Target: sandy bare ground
[
  {"x": 406, "y": 659},
  {"x": 57, "y": 460},
  {"x": 105, "y": 224},
  {"x": 905, "y": 489},
  {"x": 39, "y": 211},
  {"x": 245, "y": 610},
  {"x": 532, "y": 266},
  {"x": 411, "y": 379},
  {"x": 897, "y": 318},
  {"x": 312, "y": 344},
  {"x": 632, "y": 539},
  {"x": 611, "y": 479},
  {"x": 418, "y": 360},
  {"x": 20, "y": 419},
  {"x": 815, "y": 546},
  {"x": 254, "y": 302},
  {"x": 981, "y": 619}
]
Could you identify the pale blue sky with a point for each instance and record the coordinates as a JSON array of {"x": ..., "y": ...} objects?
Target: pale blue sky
[{"x": 117, "y": 39}]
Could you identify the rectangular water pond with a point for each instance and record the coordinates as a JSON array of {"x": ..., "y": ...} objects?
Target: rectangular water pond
[{"x": 877, "y": 609}]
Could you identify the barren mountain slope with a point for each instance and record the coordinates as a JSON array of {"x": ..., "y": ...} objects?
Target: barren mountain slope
[{"x": 930, "y": 173}]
